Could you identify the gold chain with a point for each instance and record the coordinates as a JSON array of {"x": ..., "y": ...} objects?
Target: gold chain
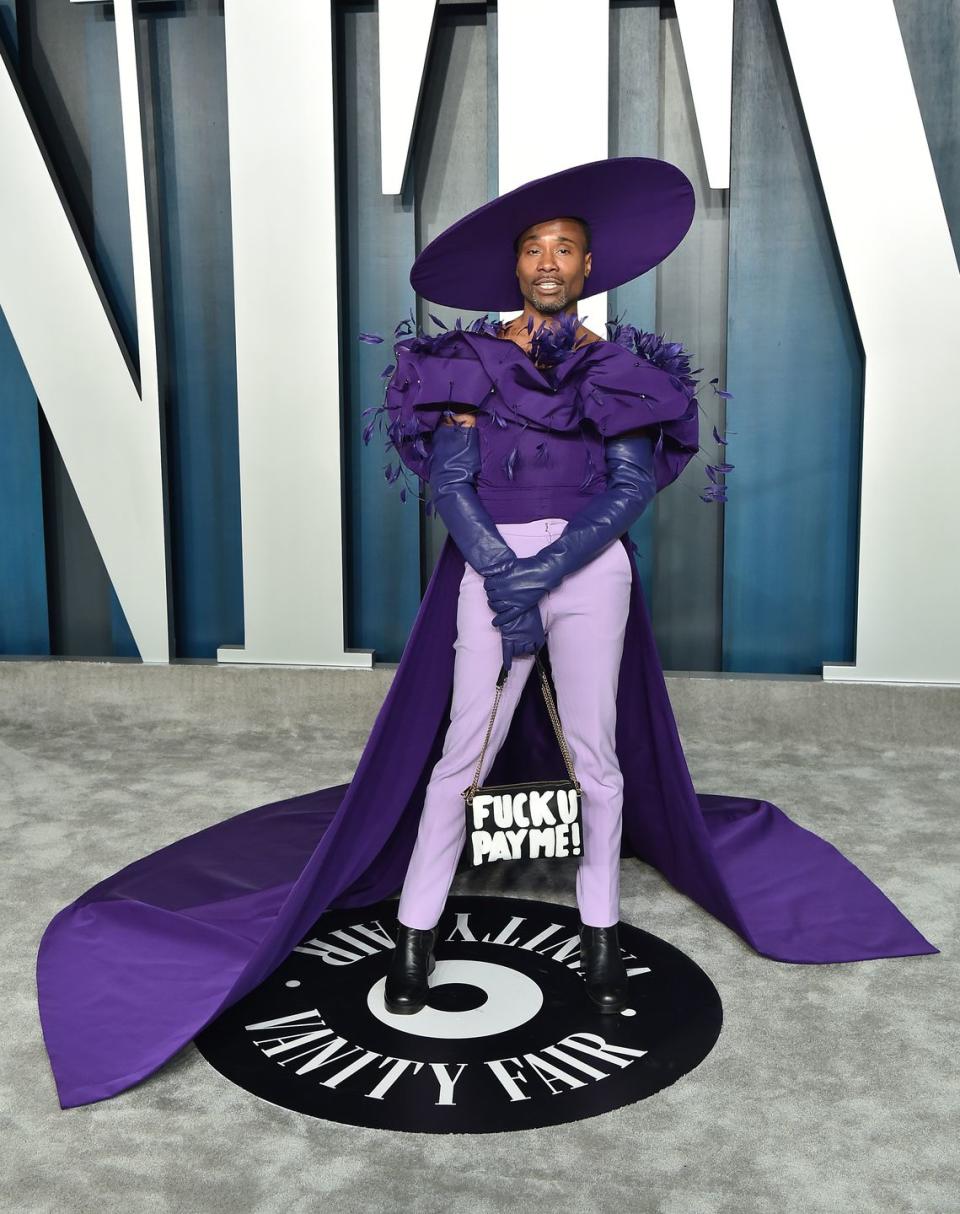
[
  {"x": 554, "y": 720},
  {"x": 472, "y": 788},
  {"x": 557, "y": 729}
]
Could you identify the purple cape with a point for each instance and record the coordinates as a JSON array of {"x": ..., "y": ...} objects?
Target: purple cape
[
  {"x": 134, "y": 968},
  {"x": 137, "y": 966}
]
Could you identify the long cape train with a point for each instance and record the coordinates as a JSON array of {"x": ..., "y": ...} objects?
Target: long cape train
[{"x": 134, "y": 968}]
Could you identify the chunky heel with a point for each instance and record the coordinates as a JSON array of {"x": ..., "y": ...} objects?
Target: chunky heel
[
  {"x": 406, "y": 988},
  {"x": 604, "y": 973}
]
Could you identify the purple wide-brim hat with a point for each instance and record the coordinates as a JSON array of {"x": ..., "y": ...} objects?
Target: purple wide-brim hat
[{"x": 638, "y": 208}]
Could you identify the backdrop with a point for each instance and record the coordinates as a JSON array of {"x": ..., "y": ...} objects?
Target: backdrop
[{"x": 766, "y": 583}]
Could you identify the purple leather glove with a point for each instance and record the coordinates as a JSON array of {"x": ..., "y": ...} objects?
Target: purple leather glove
[
  {"x": 521, "y": 636},
  {"x": 454, "y": 466},
  {"x": 631, "y": 484}
]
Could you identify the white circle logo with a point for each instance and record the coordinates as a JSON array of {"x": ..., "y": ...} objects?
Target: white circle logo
[
  {"x": 508, "y": 1037},
  {"x": 512, "y": 1000}
]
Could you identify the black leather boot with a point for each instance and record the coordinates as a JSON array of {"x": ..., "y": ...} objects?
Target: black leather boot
[
  {"x": 603, "y": 969},
  {"x": 406, "y": 987}
]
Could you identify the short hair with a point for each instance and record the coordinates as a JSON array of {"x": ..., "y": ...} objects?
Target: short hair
[{"x": 587, "y": 235}]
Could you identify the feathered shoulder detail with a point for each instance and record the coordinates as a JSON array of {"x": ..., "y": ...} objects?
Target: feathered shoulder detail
[{"x": 421, "y": 391}]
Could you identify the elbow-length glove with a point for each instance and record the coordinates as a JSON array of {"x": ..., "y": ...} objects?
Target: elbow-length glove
[
  {"x": 631, "y": 484},
  {"x": 453, "y": 470}
]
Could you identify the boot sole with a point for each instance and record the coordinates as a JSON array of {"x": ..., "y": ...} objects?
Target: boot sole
[
  {"x": 606, "y": 1010},
  {"x": 404, "y": 1009},
  {"x": 609, "y": 1008}
]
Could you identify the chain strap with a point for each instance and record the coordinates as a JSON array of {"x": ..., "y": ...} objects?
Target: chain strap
[
  {"x": 557, "y": 727},
  {"x": 470, "y": 791}
]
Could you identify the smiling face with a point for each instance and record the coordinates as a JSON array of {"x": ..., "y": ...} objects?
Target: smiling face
[{"x": 553, "y": 263}]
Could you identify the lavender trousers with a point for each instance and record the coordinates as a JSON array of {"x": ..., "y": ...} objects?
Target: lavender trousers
[{"x": 584, "y": 619}]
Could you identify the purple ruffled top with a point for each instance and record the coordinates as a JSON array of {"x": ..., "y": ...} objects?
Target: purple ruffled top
[{"x": 542, "y": 416}]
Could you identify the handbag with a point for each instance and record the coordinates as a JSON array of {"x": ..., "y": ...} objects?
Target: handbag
[{"x": 531, "y": 819}]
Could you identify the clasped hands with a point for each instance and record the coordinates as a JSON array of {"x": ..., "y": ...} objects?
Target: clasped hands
[
  {"x": 516, "y": 589},
  {"x": 514, "y": 585}
]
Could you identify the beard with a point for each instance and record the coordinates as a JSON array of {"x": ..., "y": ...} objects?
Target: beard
[{"x": 553, "y": 302}]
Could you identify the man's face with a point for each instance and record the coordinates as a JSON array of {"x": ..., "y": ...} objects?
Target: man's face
[{"x": 552, "y": 265}]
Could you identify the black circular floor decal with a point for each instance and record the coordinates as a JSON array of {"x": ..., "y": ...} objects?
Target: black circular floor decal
[{"x": 509, "y": 1039}]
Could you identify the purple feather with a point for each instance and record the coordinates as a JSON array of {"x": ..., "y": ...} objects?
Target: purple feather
[
  {"x": 406, "y": 326},
  {"x": 590, "y": 472},
  {"x": 550, "y": 344}
]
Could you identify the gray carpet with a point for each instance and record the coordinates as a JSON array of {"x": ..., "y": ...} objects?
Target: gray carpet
[{"x": 832, "y": 1088}]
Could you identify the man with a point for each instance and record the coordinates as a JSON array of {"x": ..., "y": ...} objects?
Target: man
[
  {"x": 133, "y": 968},
  {"x": 590, "y": 597}
]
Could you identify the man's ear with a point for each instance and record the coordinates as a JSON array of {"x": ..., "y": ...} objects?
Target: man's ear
[{"x": 587, "y": 265}]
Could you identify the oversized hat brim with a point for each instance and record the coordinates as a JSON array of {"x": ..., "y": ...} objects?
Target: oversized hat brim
[{"x": 639, "y": 209}]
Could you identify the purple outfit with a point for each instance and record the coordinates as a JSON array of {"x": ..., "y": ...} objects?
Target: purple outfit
[
  {"x": 585, "y": 614},
  {"x": 541, "y": 431},
  {"x": 134, "y": 968}
]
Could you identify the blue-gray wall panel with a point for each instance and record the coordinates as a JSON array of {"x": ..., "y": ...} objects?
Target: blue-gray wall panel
[
  {"x": 458, "y": 117},
  {"x": 931, "y": 36},
  {"x": 24, "y": 626},
  {"x": 187, "y": 81},
  {"x": 377, "y": 237},
  {"x": 61, "y": 51},
  {"x": 691, "y": 308},
  {"x": 795, "y": 368},
  {"x": 634, "y": 130}
]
